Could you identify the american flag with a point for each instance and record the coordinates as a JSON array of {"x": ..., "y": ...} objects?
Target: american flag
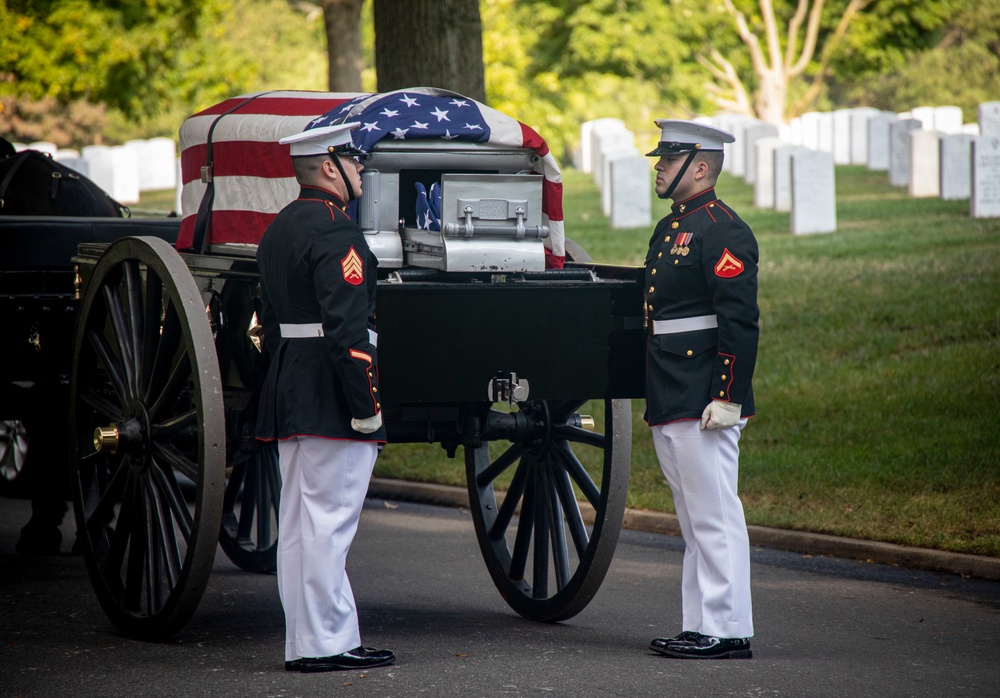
[{"x": 248, "y": 160}]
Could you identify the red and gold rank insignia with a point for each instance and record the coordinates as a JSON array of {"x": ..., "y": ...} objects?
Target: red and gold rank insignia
[
  {"x": 354, "y": 270},
  {"x": 728, "y": 265}
]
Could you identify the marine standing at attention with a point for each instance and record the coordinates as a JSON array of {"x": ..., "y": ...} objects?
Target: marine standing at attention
[
  {"x": 701, "y": 314},
  {"x": 320, "y": 399}
]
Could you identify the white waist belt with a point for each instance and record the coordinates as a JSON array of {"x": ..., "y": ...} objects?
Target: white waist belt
[
  {"x": 685, "y": 324},
  {"x": 306, "y": 330}
]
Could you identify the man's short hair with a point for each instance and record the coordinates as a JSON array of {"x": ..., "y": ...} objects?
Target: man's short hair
[
  {"x": 714, "y": 159},
  {"x": 307, "y": 169}
]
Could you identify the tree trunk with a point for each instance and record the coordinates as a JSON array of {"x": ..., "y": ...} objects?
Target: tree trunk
[
  {"x": 769, "y": 103},
  {"x": 343, "y": 44},
  {"x": 430, "y": 44}
]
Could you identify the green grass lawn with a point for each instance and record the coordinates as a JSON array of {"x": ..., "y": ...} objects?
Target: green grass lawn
[{"x": 878, "y": 376}]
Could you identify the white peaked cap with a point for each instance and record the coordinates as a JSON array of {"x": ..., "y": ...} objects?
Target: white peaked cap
[
  {"x": 322, "y": 140},
  {"x": 684, "y": 136}
]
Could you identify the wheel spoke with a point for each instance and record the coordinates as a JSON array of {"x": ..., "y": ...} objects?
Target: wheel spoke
[
  {"x": 500, "y": 465},
  {"x": 178, "y": 379},
  {"x": 123, "y": 335},
  {"x": 166, "y": 346},
  {"x": 152, "y": 307},
  {"x": 522, "y": 540},
  {"x": 557, "y": 528},
  {"x": 540, "y": 561},
  {"x": 166, "y": 515},
  {"x": 578, "y": 473},
  {"x": 176, "y": 504},
  {"x": 102, "y": 405},
  {"x": 510, "y": 501},
  {"x": 133, "y": 293},
  {"x": 580, "y": 435},
  {"x": 175, "y": 424},
  {"x": 172, "y": 457},
  {"x": 571, "y": 508},
  {"x": 111, "y": 365}
]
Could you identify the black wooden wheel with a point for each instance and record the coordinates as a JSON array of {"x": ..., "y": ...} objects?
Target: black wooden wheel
[
  {"x": 249, "y": 534},
  {"x": 546, "y": 554},
  {"x": 147, "y": 430}
]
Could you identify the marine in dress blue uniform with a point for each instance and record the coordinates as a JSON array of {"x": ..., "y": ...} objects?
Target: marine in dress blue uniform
[
  {"x": 320, "y": 399},
  {"x": 702, "y": 316}
]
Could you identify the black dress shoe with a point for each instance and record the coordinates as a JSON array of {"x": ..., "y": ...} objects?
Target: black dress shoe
[
  {"x": 358, "y": 658},
  {"x": 698, "y": 646},
  {"x": 659, "y": 643}
]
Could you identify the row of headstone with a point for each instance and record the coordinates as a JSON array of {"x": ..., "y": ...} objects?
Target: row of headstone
[
  {"x": 928, "y": 150},
  {"x": 608, "y": 153},
  {"x": 123, "y": 171}
]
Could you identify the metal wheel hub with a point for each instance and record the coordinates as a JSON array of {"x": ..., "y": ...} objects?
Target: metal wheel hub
[{"x": 132, "y": 436}]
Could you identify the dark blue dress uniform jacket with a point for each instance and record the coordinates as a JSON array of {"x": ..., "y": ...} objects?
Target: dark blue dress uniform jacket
[
  {"x": 315, "y": 267},
  {"x": 702, "y": 261}
]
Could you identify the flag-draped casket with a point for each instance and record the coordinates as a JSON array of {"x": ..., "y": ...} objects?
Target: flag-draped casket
[{"x": 236, "y": 176}]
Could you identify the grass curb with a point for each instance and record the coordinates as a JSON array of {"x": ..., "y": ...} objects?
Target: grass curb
[{"x": 962, "y": 564}]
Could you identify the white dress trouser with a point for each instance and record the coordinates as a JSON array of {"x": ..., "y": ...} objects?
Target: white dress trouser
[
  {"x": 323, "y": 487},
  {"x": 701, "y": 468}
]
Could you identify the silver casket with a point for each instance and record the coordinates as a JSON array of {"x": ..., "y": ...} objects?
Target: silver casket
[{"x": 490, "y": 215}]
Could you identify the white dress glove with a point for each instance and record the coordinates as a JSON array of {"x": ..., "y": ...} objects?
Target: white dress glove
[
  {"x": 368, "y": 424},
  {"x": 720, "y": 415}
]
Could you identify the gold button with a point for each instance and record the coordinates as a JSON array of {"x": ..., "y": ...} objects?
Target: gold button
[
  {"x": 690, "y": 353},
  {"x": 682, "y": 208},
  {"x": 711, "y": 205},
  {"x": 722, "y": 393},
  {"x": 378, "y": 405},
  {"x": 726, "y": 362},
  {"x": 677, "y": 261},
  {"x": 666, "y": 239},
  {"x": 674, "y": 225},
  {"x": 375, "y": 390},
  {"x": 660, "y": 254},
  {"x": 653, "y": 273},
  {"x": 652, "y": 288},
  {"x": 650, "y": 306},
  {"x": 723, "y": 376}
]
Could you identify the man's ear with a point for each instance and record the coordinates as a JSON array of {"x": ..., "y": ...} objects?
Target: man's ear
[{"x": 329, "y": 169}]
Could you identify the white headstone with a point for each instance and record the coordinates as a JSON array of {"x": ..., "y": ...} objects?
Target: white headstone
[
  {"x": 795, "y": 131},
  {"x": 989, "y": 119},
  {"x": 824, "y": 132},
  {"x": 842, "y": 136},
  {"x": 925, "y": 115},
  {"x": 751, "y": 135},
  {"x": 18, "y": 147},
  {"x": 948, "y": 119},
  {"x": 956, "y": 166},
  {"x": 736, "y": 154},
  {"x": 65, "y": 153},
  {"x": 925, "y": 167},
  {"x": 971, "y": 129},
  {"x": 631, "y": 192},
  {"x": 783, "y": 176},
  {"x": 606, "y": 159},
  {"x": 878, "y": 141},
  {"x": 859, "y": 134},
  {"x": 606, "y": 144},
  {"x": 586, "y": 141},
  {"x": 814, "y": 193},
  {"x": 46, "y": 147},
  {"x": 899, "y": 151},
  {"x": 77, "y": 165},
  {"x": 763, "y": 186},
  {"x": 156, "y": 163},
  {"x": 810, "y": 129},
  {"x": 985, "y": 202},
  {"x": 114, "y": 169}
]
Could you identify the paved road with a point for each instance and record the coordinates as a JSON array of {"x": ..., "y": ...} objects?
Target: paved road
[{"x": 825, "y": 627}]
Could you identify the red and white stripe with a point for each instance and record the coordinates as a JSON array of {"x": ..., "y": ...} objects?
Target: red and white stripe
[{"x": 252, "y": 172}]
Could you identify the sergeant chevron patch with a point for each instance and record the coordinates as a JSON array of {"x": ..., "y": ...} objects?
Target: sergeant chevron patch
[
  {"x": 354, "y": 272},
  {"x": 728, "y": 265}
]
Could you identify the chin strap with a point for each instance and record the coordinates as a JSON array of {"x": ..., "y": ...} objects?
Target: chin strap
[
  {"x": 680, "y": 174},
  {"x": 351, "y": 196}
]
